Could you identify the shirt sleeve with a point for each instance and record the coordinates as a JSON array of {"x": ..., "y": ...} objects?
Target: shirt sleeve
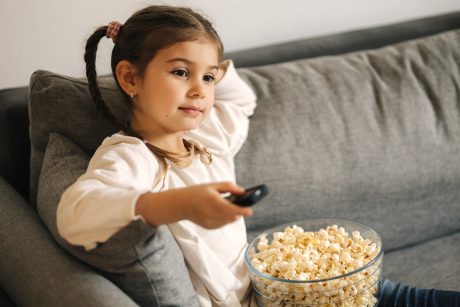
[
  {"x": 102, "y": 201},
  {"x": 227, "y": 126}
]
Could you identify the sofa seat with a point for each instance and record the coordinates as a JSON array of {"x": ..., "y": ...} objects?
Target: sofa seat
[{"x": 430, "y": 264}]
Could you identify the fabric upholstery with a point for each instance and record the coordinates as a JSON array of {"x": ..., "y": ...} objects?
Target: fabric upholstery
[
  {"x": 16, "y": 131},
  {"x": 35, "y": 271},
  {"x": 431, "y": 264},
  {"x": 62, "y": 104},
  {"x": 340, "y": 43},
  {"x": 145, "y": 262},
  {"x": 5, "y": 299},
  {"x": 371, "y": 136},
  {"x": 14, "y": 138}
]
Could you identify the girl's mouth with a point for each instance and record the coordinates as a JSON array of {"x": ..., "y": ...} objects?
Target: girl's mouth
[{"x": 193, "y": 111}]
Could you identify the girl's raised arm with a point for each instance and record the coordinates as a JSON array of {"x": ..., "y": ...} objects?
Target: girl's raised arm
[{"x": 228, "y": 124}]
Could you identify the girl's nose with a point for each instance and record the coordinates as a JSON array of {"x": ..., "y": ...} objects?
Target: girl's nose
[{"x": 197, "y": 90}]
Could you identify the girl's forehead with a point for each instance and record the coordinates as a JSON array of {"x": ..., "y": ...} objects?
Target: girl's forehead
[{"x": 199, "y": 51}]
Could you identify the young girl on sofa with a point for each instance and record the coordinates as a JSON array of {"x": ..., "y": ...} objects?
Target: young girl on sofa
[{"x": 170, "y": 163}]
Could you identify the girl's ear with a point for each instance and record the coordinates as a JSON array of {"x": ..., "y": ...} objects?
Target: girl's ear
[{"x": 126, "y": 76}]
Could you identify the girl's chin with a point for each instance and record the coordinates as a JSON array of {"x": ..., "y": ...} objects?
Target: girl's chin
[
  {"x": 191, "y": 126},
  {"x": 189, "y": 123}
]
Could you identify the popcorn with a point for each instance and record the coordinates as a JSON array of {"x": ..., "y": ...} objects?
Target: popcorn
[{"x": 295, "y": 254}]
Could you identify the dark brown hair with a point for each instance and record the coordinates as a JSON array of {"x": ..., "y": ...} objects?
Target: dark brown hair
[{"x": 140, "y": 38}]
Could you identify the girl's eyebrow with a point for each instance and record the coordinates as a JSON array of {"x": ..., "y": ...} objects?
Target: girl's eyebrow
[{"x": 186, "y": 61}]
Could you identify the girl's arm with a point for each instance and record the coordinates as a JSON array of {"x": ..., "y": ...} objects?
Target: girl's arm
[
  {"x": 227, "y": 127},
  {"x": 201, "y": 204},
  {"x": 102, "y": 200},
  {"x": 117, "y": 189},
  {"x": 231, "y": 90}
]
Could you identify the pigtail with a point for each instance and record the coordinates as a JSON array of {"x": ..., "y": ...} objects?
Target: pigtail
[{"x": 90, "y": 60}]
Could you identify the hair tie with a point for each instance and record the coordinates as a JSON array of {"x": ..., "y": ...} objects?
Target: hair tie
[{"x": 112, "y": 30}]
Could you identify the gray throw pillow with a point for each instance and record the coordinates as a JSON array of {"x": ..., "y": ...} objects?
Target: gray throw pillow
[
  {"x": 63, "y": 104},
  {"x": 145, "y": 262}
]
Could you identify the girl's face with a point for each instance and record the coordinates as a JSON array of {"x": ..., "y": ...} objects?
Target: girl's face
[{"x": 177, "y": 90}]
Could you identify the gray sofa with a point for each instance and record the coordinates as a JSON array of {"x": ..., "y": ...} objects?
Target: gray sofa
[{"x": 363, "y": 125}]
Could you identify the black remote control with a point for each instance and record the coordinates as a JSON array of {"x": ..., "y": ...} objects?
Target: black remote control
[{"x": 250, "y": 196}]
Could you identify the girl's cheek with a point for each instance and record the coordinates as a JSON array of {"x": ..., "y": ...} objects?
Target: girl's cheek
[
  {"x": 211, "y": 105},
  {"x": 208, "y": 109}
]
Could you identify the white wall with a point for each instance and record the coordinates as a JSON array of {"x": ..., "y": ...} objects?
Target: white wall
[{"x": 50, "y": 34}]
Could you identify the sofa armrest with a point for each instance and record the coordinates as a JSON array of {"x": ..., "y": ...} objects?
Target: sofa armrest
[{"x": 35, "y": 271}]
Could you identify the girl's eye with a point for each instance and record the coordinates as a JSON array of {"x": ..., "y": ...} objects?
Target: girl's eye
[
  {"x": 180, "y": 72},
  {"x": 209, "y": 78}
]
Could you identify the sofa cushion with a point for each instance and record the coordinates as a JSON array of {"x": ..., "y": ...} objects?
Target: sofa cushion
[
  {"x": 145, "y": 262},
  {"x": 62, "y": 104},
  {"x": 371, "y": 136}
]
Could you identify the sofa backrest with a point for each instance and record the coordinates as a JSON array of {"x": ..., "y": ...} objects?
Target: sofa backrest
[
  {"x": 339, "y": 43},
  {"x": 372, "y": 136},
  {"x": 14, "y": 138}
]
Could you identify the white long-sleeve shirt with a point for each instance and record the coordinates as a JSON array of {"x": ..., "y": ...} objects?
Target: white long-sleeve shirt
[{"x": 102, "y": 201}]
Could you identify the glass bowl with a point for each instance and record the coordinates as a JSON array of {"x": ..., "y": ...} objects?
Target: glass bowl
[{"x": 356, "y": 285}]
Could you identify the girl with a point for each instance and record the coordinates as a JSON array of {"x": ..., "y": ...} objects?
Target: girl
[
  {"x": 189, "y": 117},
  {"x": 170, "y": 163}
]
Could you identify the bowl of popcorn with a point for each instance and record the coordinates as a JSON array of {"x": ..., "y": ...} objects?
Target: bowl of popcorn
[{"x": 322, "y": 262}]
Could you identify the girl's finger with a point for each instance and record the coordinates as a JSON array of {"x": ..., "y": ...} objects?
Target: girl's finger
[
  {"x": 237, "y": 210},
  {"x": 228, "y": 186}
]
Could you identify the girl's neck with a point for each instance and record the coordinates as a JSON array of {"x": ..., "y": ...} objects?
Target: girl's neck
[{"x": 172, "y": 142}]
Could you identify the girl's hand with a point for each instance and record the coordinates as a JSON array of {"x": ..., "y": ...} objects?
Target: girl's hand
[
  {"x": 207, "y": 208},
  {"x": 201, "y": 204}
]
